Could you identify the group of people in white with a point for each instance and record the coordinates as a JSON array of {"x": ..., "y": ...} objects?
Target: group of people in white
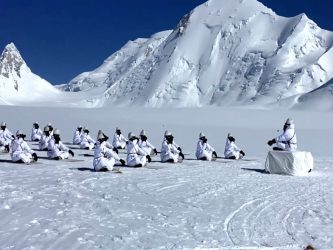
[{"x": 139, "y": 149}]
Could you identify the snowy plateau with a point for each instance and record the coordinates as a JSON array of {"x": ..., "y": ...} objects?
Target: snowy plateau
[{"x": 229, "y": 66}]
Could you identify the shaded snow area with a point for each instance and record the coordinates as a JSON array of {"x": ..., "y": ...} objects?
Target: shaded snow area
[{"x": 224, "y": 204}]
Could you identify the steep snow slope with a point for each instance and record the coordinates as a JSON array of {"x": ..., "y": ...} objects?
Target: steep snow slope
[
  {"x": 121, "y": 63},
  {"x": 18, "y": 85},
  {"x": 230, "y": 52}
]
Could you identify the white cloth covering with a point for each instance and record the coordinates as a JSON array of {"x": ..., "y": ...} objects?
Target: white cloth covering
[{"x": 289, "y": 163}]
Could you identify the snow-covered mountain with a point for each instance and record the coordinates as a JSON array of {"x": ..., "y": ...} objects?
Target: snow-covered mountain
[
  {"x": 225, "y": 52},
  {"x": 18, "y": 85}
]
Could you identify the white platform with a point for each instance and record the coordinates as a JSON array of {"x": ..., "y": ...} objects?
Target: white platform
[{"x": 289, "y": 163}]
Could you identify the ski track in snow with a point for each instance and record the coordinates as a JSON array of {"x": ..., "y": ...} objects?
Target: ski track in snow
[{"x": 53, "y": 205}]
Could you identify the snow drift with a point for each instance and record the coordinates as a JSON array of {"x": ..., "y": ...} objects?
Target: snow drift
[{"x": 231, "y": 52}]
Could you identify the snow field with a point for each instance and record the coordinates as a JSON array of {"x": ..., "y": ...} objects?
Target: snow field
[{"x": 223, "y": 204}]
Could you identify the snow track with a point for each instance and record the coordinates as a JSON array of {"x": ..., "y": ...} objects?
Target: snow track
[{"x": 195, "y": 204}]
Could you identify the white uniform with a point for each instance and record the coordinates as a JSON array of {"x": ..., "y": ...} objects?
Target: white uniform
[
  {"x": 169, "y": 151},
  {"x": 288, "y": 140},
  {"x": 119, "y": 141},
  {"x": 57, "y": 150},
  {"x": 36, "y": 134},
  {"x": 104, "y": 157},
  {"x": 231, "y": 150},
  {"x": 44, "y": 142},
  {"x": 146, "y": 146},
  {"x": 77, "y": 137},
  {"x": 21, "y": 151},
  {"x": 87, "y": 141},
  {"x": 6, "y": 137},
  {"x": 135, "y": 155},
  {"x": 204, "y": 150}
]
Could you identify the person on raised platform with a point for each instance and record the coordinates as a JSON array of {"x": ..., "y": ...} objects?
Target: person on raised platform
[{"x": 287, "y": 141}]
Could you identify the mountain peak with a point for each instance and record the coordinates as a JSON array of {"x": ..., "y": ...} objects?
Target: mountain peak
[{"x": 11, "y": 61}]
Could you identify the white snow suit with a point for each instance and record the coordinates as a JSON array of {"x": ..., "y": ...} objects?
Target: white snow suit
[
  {"x": 57, "y": 150},
  {"x": 288, "y": 140},
  {"x": 169, "y": 151},
  {"x": 6, "y": 137},
  {"x": 231, "y": 150},
  {"x": 21, "y": 151},
  {"x": 135, "y": 155},
  {"x": 204, "y": 150},
  {"x": 119, "y": 141},
  {"x": 104, "y": 157},
  {"x": 36, "y": 134},
  {"x": 146, "y": 146},
  {"x": 44, "y": 142},
  {"x": 87, "y": 141},
  {"x": 77, "y": 137}
]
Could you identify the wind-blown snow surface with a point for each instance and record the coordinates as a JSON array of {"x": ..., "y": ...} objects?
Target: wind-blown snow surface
[
  {"x": 223, "y": 204},
  {"x": 230, "y": 52}
]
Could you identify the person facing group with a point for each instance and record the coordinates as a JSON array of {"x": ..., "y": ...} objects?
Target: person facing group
[
  {"x": 205, "y": 152},
  {"x": 287, "y": 141},
  {"x": 231, "y": 151},
  {"x": 119, "y": 141},
  {"x": 36, "y": 132},
  {"x": 145, "y": 145},
  {"x": 136, "y": 157},
  {"x": 77, "y": 135},
  {"x": 104, "y": 156},
  {"x": 6, "y": 137},
  {"x": 21, "y": 152},
  {"x": 170, "y": 151},
  {"x": 86, "y": 141},
  {"x": 44, "y": 141},
  {"x": 56, "y": 149}
]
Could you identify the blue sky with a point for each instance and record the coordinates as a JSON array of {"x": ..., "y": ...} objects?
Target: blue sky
[{"x": 60, "y": 39}]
